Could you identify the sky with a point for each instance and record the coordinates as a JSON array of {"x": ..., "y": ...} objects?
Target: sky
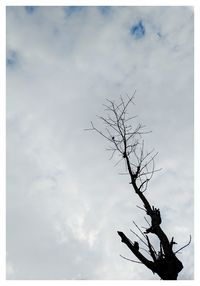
[{"x": 65, "y": 198}]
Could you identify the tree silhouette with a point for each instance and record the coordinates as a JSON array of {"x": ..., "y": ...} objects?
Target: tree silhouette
[{"x": 126, "y": 138}]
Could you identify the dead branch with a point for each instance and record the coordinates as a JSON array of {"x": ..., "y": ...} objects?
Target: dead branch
[
  {"x": 130, "y": 259},
  {"x": 184, "y": 245}
]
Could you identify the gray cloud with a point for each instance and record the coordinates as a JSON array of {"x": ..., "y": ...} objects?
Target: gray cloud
[{"x": 65, "y": 200}]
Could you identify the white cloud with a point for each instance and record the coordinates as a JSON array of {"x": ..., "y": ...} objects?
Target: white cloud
[{"x": 65, "y": 201}]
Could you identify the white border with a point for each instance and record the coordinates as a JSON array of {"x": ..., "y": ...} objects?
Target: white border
[{"x": 3, "y": 4}]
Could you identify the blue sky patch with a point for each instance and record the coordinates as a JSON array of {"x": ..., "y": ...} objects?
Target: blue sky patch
[
  {"x": 104, "y": 10},
  {"x": 73, "y": 9},
  {"x": 138, "y": 30},
  {"x": 11, "y": 58},
  {"x": 159, "y": 34},
  {"x": 30, "y": 9}
]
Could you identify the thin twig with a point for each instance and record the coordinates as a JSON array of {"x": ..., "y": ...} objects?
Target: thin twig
[
  {"x": 139, "y": 237},
  {"x": 184, "y": 245},
  {"x": 141, "y": 208},
  {"x": 147, "y": 221},
  {"x": 139, "y": 229},
  {"x": 130, "y": 259}
]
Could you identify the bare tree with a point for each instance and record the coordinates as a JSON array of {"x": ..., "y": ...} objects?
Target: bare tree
[{"x": 126, "y": 138}]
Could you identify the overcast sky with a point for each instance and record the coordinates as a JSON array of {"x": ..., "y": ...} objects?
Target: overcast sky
[{"x": 65, "y": 199}]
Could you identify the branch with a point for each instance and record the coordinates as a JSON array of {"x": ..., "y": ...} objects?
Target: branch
[
  {"x": 130, "y": 259},
  {"x": 184, "y": 245},
  {"x": 136, "y": 252},
  {"x": 152, "y": 252},
  {"x": 138, "y": 237}
]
